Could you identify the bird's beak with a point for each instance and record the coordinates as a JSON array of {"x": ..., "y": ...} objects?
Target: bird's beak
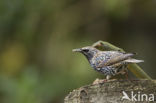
[{"x": 77, "y": 50}]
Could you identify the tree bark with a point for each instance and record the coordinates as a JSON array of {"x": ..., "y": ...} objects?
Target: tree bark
[{"x": 112, "y": 92}]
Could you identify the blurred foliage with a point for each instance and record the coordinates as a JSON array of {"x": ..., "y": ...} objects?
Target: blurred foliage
[{"x": 37, "y": 36}]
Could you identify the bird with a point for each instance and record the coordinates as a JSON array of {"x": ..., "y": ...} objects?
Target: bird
[{"x": 109, "y": 63}]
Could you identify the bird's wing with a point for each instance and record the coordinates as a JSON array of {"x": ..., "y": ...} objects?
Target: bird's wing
[{"x": 114, "y": 57}]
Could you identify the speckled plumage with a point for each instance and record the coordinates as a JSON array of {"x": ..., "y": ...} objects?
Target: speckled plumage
[{"x": 108, "y": 63}]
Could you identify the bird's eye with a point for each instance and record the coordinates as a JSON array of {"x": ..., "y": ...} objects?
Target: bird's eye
[{"x": 86, "y": 50}]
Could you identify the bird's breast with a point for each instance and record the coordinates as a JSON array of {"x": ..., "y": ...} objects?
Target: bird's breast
[
  {"x": 95, "y": 62},
  {"x": 98, "y": 60}
]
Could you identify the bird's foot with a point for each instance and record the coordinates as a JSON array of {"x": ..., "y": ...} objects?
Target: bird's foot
[{"x": 99, "y": 81}]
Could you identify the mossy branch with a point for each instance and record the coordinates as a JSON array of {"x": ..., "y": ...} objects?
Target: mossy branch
[{"x": 134, "y": 68}]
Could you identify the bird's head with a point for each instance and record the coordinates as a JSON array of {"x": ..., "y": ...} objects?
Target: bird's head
[{"x": 88, "y": 51}]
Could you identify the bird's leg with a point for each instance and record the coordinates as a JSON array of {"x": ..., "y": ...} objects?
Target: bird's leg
[
  {"x": 126, "y": 75},
  {"x": 108, "y": 77}
]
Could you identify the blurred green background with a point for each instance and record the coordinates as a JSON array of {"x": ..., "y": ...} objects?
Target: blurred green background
[{"x": 37, "y": 37}]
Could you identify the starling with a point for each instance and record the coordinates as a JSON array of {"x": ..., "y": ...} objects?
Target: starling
[{"x": 109, "y": 63}]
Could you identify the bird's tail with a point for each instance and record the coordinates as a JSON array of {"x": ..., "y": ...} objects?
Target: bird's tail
[{"x": 133, "y": 61}]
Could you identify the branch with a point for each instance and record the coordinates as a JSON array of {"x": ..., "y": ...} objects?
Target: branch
[{"x": 112, "y": 92}]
